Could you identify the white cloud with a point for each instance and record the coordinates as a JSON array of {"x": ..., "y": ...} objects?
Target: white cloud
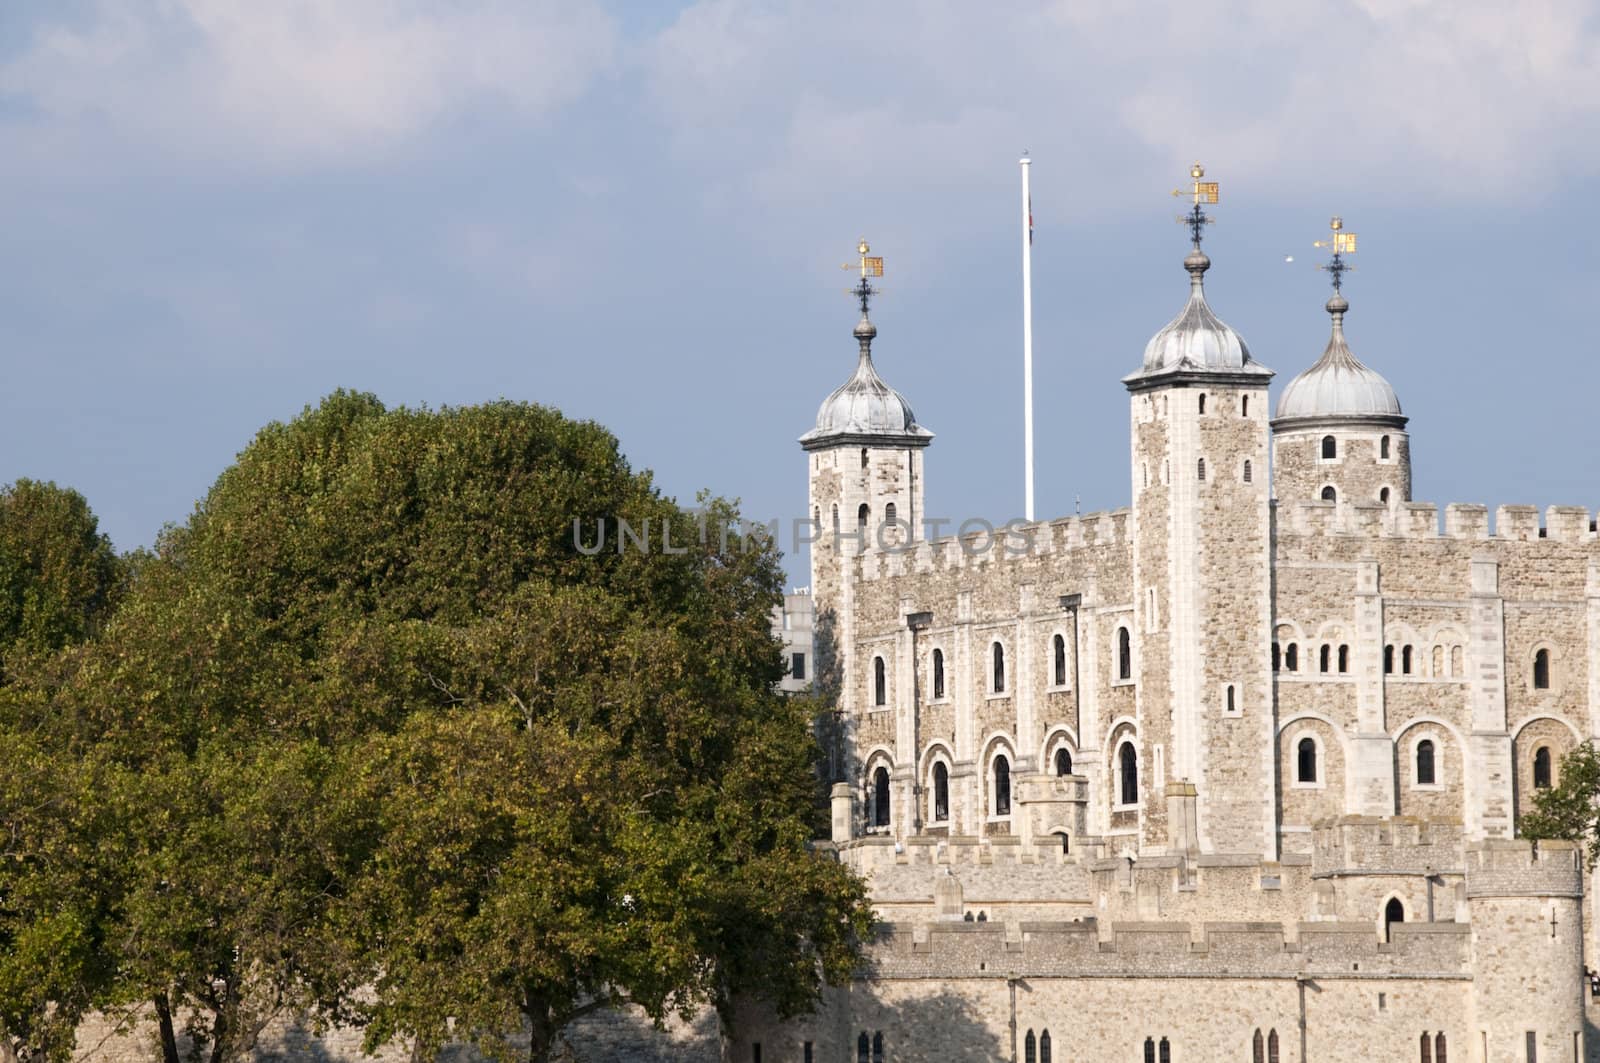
[{"x": 296, "y": 82}]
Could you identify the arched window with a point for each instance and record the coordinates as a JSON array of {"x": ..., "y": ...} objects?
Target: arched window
[
  {"x": 1330, "y": 449},
  {"x": 1457, "y": 660},
  {"x": 1127, "y": 775},
  {"x": 880, "y": 683},
  {"x": 1383, "y": 447},
  {"x": 1002, "y": 786},
  {"x": 1438, "y": 1048},
  {"x": 888, "y": 515},
  {"x": 1291, "y": 657},
  {"x": 1258, "y": 1049},
  {"x": 1306, "y": 760},
  {"x": 1438, "y": 661},
  {"x": 1202, "y": 403},
  {"x": 1165, "y": 1052},
  {"x": 1058, "y": 646},
  {"x": 999, "y": 654},
  {"x": 1541, "y": 768},
  {"x": 1272, "y": 1047},
  {"x": 1393, "y": 912},
  {"x": 941, "y": 792},
  {"x": 880, "y": 797},
  {"x": 1329, "y": 494},
  {"x": 1344, "y": 659},
  {"x": 1202, "y": 468},
  {"x": 863, "y": 1048},
  {"x": 1063, "y": 761},
  {"x": 1427, "y": 1048},
  {"x": 1149, "y": 1050},
  {"x": 1541, "y": 670},
  {"x": 1277, "y": 657},
  {"x": 1044, "y": 1039},
  {"x": 1124, "y": 654},
  {"x": 1425, "y": 772},
  {"x": 877, "y": 1047},
  {"x": 1244, "y": 406},
  {"x": 1030, "y": 1048},
  {"x": 1066, "y": 842},
  {"x": 1405, "y": 659},
  {"x": 1388, "y": 660},
  {"x": 1383, "y": 495},
  {"x": 1247, "y": 470},
  {"x": 863, "y": 515},
  {"x": 836, "y": 521},
  {"x": 863, "y": 457},
  {"x": 938, "y": 673},
  {"x": 1231, "y": 698},
  {"x": 1325, "y": 657}
]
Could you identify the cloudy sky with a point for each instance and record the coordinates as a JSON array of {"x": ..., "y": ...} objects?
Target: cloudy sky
[{"x": 216, "y": 211}]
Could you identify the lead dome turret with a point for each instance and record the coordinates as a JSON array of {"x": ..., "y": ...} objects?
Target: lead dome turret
[{"x": 1338, "y": 386}]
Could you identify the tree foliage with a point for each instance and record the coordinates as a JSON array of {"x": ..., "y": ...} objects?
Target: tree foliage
[
  {"x": 371, "y": 717},
  {"x": 1570, "y": 810}
]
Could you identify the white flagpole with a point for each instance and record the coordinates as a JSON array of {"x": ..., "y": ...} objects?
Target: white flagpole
[{"x": 1027, "y": 341}]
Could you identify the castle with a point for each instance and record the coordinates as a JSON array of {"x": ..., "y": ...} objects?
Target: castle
[{"x": 1233, "y": 773}]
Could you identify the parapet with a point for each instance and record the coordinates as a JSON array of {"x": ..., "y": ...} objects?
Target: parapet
[
  {"x": 1353, "y": 845},
  {"x": 1518, "y": 867},
  {"x": 1420, "y": 520},
  {"x": 1005, "y": 544}
]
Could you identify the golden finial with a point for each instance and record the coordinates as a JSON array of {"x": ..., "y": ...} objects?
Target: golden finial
[
  {"x": 1341, "y": 243},
  {"x": 870, "y": 266},
  {"x": 1201, "y": 192}
]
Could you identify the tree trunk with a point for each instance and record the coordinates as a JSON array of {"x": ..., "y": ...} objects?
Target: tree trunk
[
  {"x": 541, "y": 1033},
  {"x": 221, "y": 1034},
  {"x": 169, "y": 1040}
]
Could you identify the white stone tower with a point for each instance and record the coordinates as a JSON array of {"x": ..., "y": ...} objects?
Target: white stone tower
[
  {"x": 1201, "y": 581},
  {"x": 1338, "y": 434}
]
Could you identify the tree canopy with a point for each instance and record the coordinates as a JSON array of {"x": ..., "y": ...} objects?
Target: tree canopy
[
  {"x": 372, "y": 718},
  {"x": 1570, "y": 810}
]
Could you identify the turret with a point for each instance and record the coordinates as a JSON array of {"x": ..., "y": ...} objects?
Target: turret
[{"x": 1338, "y": 434}]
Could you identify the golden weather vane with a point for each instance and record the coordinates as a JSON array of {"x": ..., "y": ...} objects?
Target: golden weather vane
[
  {"x": 1200, "y": 192},
  {"x": 1341, "y": 243},
  {"x": 870, "y": 266}
]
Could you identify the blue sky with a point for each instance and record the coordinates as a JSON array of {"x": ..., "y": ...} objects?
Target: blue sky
[{"x": 216, "y": 211}]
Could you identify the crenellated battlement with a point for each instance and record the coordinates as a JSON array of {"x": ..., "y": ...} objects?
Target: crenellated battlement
[
  {"x": 1518, "y": 867},
  {"x": 1354, "y": 845},
  {"x": 1008, "y": 544},
  {"x": 1420, "y": 520}
]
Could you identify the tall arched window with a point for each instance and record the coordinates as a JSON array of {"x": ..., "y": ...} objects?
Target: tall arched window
[
  {"x": 880, "y": 683},
  {"x": 1247, "y": 470},
  {"x": 1202, "y": 403},
  {"x": 1030, "y": 1048},
  {"x": 836, "y": 523},
  {"x": 1330, "y": 449},
  {"x": 1326, "y": 657},
  {"x": 1383, "y": 495},
  {"x": 863, "y": 515},
  {"x": 1202, "y": 468},
  {"x": 1405, "y": 659},
  {"x": 999, "y": 653},
  {"x": 1063, "y": 761},
  {"x": 1383, "y": 447},
  {"x": 1272, "y": 1047},
  {"x": 1058, "y": 646},
  {"x": 1393, "y": 912},
  {"x": 877, "y": 1047},
  {"x": 880, "y": 797},
  {"x": 1438, "y": 1048},
  {"x": 1002, "y": 786},
  {"x": 888, "y": 515},
  {"x": 938, "y": 673},
  {"x": 1425, "y": 772},
  {"x": 1291, "y": 658},
  {"x": 1329, "y": 494},
  {"x": 863, "y": 1048},
  {"x": 941, "y": 792},
  {"x": 1306, "y": 760},
  {"x": 1541, "y": 670},
  {"x": 1344, "y": 659},
  {"x": 1277, "y": 657},
  {"x": 1438, "y": 661},
  {"x": 1149, "y": 1050},
  {"x": 1541, "y": 768},
  {"x": 1258, "y": 1048},
  {"x": 1164, "y": 1054},
  {"x": 1426, "y": 1046},
  {"x": 1388, "y": 660},
  {"x": 1244, "y": 406},
  {"x": 1044, "y": 1043},
  {"x": 1127, "y": 775},
  {"x": 1124, "y": 654},
  {"x": 1231, "y": 698}
]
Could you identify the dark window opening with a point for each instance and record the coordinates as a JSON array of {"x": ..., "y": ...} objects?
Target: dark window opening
[
  {"x": 1344, "y": 659},
  {"x": 1002, "y": 786},
  {"x": 1388, "y": 660},
  {"x": 1230, "y": 696},
  {"x": 1306, "y": 760},
  {"x": 1272, "y": 1047},
  {"x": 1128, "y": 762},
  {"x": 1165, "y": 1055},
  {"x": 1244, "y": 406},
  {"x": 1291, "y": 658},
  {"x": 1393, "y": 912},
  {"x": 938, "y": 673},
  {"x": 999, "y": 652},
  {"x": 1405, "y": 659},
  {"x": 863, "y": 1048},
  {"x": 863, "y": 457},
  {"x": 1329, "y": 494},
  {"x": 880, "y": 683},
  {"x": 1063, "y": 762},
  {"x": 1044, "y": 1041},
  {"x": 880, "y": 797},
  {"x": 1202, "y": 468},
  {"x": 1438, "y": 1048},
  {"x": 1325, "y": 657},
  {"x": 808, "y": 1053},
  {"x": 941, "y": 792},
  {"x": 1541, "y": 768},
  {"x": 1383, "y": 495},
  {"x": 1383, "y": 447},
  {"x": 1149, "y": 1050},
  {"x": 797, "y": 666},
  {"x": 1330, "y": 449},
  {"x": 1059, "y": 645},
  {"x": 877, "y": 1047},
  {"x": 1202, "y": 404},
  {"x": 1531, "y": 1047},
  {"x": 755, "y": 1052},
  {"x": 863, "y": 515},
  {"x": 1124, "y": 654},
  {"x": 889, "y": 515},
  {"x": 1066, "y": 843},
  {"x": 1030, "y": 1048},
  {"x": 1277, "y": 657},
  {"x": 1425, "y": 773},
  {"x": 1541, "y": 670},
  {"x": 1247, "y": 470},
  {"x": 1258, "y": 1050}
]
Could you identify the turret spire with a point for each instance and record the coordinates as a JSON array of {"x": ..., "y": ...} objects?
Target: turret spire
[{"x": 1196, "y": 219}]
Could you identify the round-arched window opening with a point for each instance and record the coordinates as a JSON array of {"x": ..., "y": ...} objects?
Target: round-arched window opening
[
  {"x": 1329, "y": 494},
  {"x": 1063, "y": 762},
  {"x": 1330, "y": 448}
]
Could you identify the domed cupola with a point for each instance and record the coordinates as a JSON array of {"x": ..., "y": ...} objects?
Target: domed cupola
[
  {"x": 1338, "y": 387},
  {"x": 865, "y": 410}
]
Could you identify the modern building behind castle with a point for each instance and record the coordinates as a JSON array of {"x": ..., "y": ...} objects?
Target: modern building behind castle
[{"x": 1234, "y": 773}]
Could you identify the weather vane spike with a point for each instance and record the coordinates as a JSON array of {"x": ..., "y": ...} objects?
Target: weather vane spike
[
  {"x": 870, "y": 266},
  {"x": 1200, "y": 192},
  {"x": 1341, "y": 243}
]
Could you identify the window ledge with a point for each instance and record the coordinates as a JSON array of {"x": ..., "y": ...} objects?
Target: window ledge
[
  {"x": 1125, "y": 808},
  {"x": 1427, "y": 787},
  {"x": 1299, "y": 784},
  {"x": 1123, "y": 682},
  {"x": 997, "y": 697},
  {"x": 1057, "y": 690}
]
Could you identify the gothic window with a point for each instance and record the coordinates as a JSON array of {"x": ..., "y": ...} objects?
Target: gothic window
[
  {"x": 1541, "y": 670},
  {"x": 1306, "y": 760},
  {"x": 1383, "y": 448},
  {"x": 877, "y": 1047},
  {"x": 1247, "y": 470},
  {"x": 880, "y": 797},
  {"x": 1344, "y": 659},
  {"x": 1044, "y": 1039},
  {"x": 1258, "y": 1052},
  {"x": 1541, "y": 768},
  {"x": 1388, "y": 660},
  {"x": 1427, "y": 1048},
  {"x": 1291, "y": 658},
  {"x": 1063, "y": 762},
  {"x": 1325, "y": 657},
  {"x": 1405, "y": 659},
  {"x": 863, "y": 1048},
  {"x": 1202, "y": 468},
  {"x": 1272, "y": 1047},
  {"x": 1438, "y": 1047},
  {"x": 941, "y": 792},
  {"x": 1330, "y": 449},
  {"x": 1124, "y": 654},
  {"x": 880, "y": 683},
  {"x": 1128, "y": 775},
  {"x": 1059, "y": 648},
  {"x": 1277, "y": 657},
  {"x": 1002, "y": 786},
  {"x": 1030, "y": 1049},
  {"x": 1329, "y": 494},
  {"x": 1202, "y": 404},
  {"x": 1425, "y": 771},
  {"x": 1393, "y": 912},
  {"x": 999, "y": 654},
  {"x": 938, "y": 673}
]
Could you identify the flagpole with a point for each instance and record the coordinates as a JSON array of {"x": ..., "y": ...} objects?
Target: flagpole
[{"x": 1027, "y": 341}]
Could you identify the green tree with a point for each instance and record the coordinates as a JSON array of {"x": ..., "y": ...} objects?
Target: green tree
[
  {"x": 58, "y": 573},
  {"x": 1570, "y": 810}
]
